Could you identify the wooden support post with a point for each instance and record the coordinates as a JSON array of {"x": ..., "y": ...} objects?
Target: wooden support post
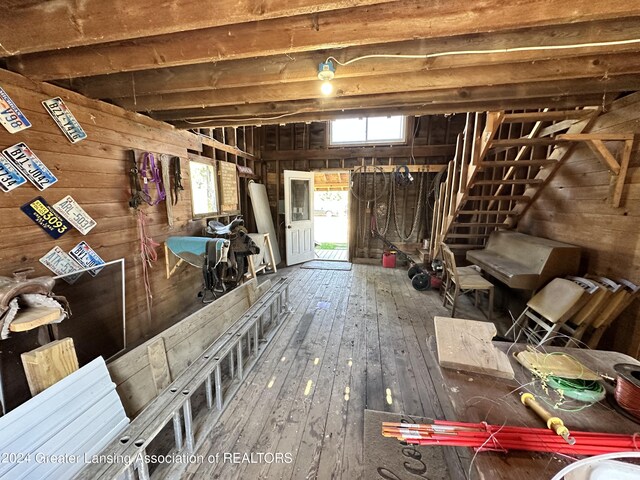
[
  {"x": 618, "y": 170},
  {"x": 622, "y": 175}
]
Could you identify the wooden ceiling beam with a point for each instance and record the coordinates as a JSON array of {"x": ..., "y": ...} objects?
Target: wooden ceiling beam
[
  {"x": 302, "y": 66},
  {"x": 425, "y": 109},
  {"x": 397, "y": 21},
  {"x": 355, "y": 152},
  {"x": 556, "y": 89},
  {"x": 600, "y": 66},
  {"x": 60, "y": 24}
]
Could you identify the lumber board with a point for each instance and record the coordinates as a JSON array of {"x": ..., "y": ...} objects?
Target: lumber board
[
  {"x": 303, "y": 65},
  {"x": 128, "y": 20},
  {"x": 587, "y": 66},
  {"x": 473, "y": 95},
  {"x": 466, "y": 345},
  {"x": 34, "y": 317},
  {"x": 49, "y": 364},
  {"x": 140, "y": 124},
  {"x": 159, "y": 364},
  {"x": 396, "y": 21}
]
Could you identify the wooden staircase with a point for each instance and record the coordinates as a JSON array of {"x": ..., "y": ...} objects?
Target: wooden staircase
[{"x": 503, "y": 160}]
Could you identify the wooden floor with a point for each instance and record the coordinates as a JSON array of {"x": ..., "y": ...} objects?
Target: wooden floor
[
  {"x": 354, "y": 340},
  {"x": 340, "y": 255}
]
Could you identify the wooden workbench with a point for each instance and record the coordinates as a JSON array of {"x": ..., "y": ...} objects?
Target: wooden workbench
[{"x": 471, "y": 397}]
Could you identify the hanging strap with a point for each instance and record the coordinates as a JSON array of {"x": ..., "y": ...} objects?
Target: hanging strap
[
  {"x": 177, "y": 179},
  {"x": 136, "y": 191},
  {"x": 150, "y": 173}
]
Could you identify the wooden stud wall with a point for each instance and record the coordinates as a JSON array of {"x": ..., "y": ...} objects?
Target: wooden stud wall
[
  {"x": 303, "y": 146},
  {"x": 575, "y": 208}
]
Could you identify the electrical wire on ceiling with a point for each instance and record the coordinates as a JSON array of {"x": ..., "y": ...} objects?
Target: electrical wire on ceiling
[
  {"x": 530, "y": 48},
  {"x": 487, "y": 52},
  {"x": 238, "y": 119}
]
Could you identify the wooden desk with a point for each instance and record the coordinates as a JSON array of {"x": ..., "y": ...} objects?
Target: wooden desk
[{"x": 471, "y": 397}]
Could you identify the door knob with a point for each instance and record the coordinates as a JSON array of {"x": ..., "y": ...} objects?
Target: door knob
[{"x": 289, "y": 226}]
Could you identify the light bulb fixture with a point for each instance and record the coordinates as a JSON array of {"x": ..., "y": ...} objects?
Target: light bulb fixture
[{"x": 326, "y": 72}]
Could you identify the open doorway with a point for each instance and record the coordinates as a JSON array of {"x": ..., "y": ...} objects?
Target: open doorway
[{"x": 331, "y": 221}]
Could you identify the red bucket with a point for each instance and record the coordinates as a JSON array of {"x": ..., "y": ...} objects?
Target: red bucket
[{"x": 389, "y": 260}]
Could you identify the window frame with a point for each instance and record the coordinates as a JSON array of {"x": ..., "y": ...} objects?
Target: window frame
[
  {"x": 214, "y": 165},
  {"x": 403, "y": 141}
]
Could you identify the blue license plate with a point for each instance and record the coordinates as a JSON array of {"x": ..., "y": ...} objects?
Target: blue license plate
[
  {"x": 87, "y": 257},
  {"x": 46, "y": 217},
  {"x": 10, "y": 178},
  {"x": 29, "y": 165},
  {"x": 11, "y": 117}
]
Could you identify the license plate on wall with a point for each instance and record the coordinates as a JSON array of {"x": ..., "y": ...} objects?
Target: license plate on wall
[
  {"x": 29, "y": 165},
  {"x": 46, "y": 217},
  {"x": 74, "y": 214},
  {"x": 11, "y": 117},
  {"x": 10, "y": 178},
  {"x": 87, "y": 257},
  {"x": 60, "y": 263},
  {"x": 64, "y": 119}
]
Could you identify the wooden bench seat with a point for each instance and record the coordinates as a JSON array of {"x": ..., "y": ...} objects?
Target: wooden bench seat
[{"x": 525, "y": 262}]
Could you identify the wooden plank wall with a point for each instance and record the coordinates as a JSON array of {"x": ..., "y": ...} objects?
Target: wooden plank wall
[
  {"x": 432, "y": 130},
  {"x": 575, "y": 208},
  {"x": 95, "y": 172}
]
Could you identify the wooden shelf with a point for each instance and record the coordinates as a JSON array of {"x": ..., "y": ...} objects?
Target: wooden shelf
[{"x": 34, "y": 317}]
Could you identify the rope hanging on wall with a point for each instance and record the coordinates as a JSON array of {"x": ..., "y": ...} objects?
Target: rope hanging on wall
[{"x": 148, "y": 255}]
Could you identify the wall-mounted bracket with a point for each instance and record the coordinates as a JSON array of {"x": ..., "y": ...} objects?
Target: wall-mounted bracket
[
  {"x": 168, "y": 255},
  {"x": 618, "y": 170}
]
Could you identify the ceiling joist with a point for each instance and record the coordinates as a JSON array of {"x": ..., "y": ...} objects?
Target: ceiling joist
[
  {"x": 62, "y": 24},
  {"x": 250, "y": 63},
  {"x": 302, "y": 66},
  {"x": 396, "y": 21}
]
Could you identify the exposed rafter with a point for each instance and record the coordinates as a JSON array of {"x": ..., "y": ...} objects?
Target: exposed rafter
[
  {"x": 253, "y": 63},
  {"x": 301, "y": 66},
  {"x": 396, "y": 21}
]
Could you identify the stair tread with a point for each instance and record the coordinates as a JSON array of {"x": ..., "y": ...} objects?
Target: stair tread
[
  {"x": 479, "y": 224},
  {"x": 515, "y": 142},
  {"x": 512, "y": 181},
  {"x": 485, "y": 212},
  {"x": 467, "y": 235},
  {"x": 515, "y": 198},
  {"x": 516, "y": 163}
]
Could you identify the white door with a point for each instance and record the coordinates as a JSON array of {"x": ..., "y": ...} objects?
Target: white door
[{"x": 298, "y": 216}]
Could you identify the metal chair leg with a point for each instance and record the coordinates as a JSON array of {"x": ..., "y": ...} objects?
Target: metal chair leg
[{"x": 517, "y": 325}]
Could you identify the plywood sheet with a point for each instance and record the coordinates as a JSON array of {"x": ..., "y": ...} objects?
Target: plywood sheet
[
  {"x": 49, "y": 364},
  {"x": 466, "y": 345},
  {"x": 264, "y": 221},
  {"x": 557, "y": 364}
]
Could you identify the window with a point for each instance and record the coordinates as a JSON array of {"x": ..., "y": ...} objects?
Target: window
[
  {"x": 204, "y": 198},
  {"x": 368, "y": 131}
]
